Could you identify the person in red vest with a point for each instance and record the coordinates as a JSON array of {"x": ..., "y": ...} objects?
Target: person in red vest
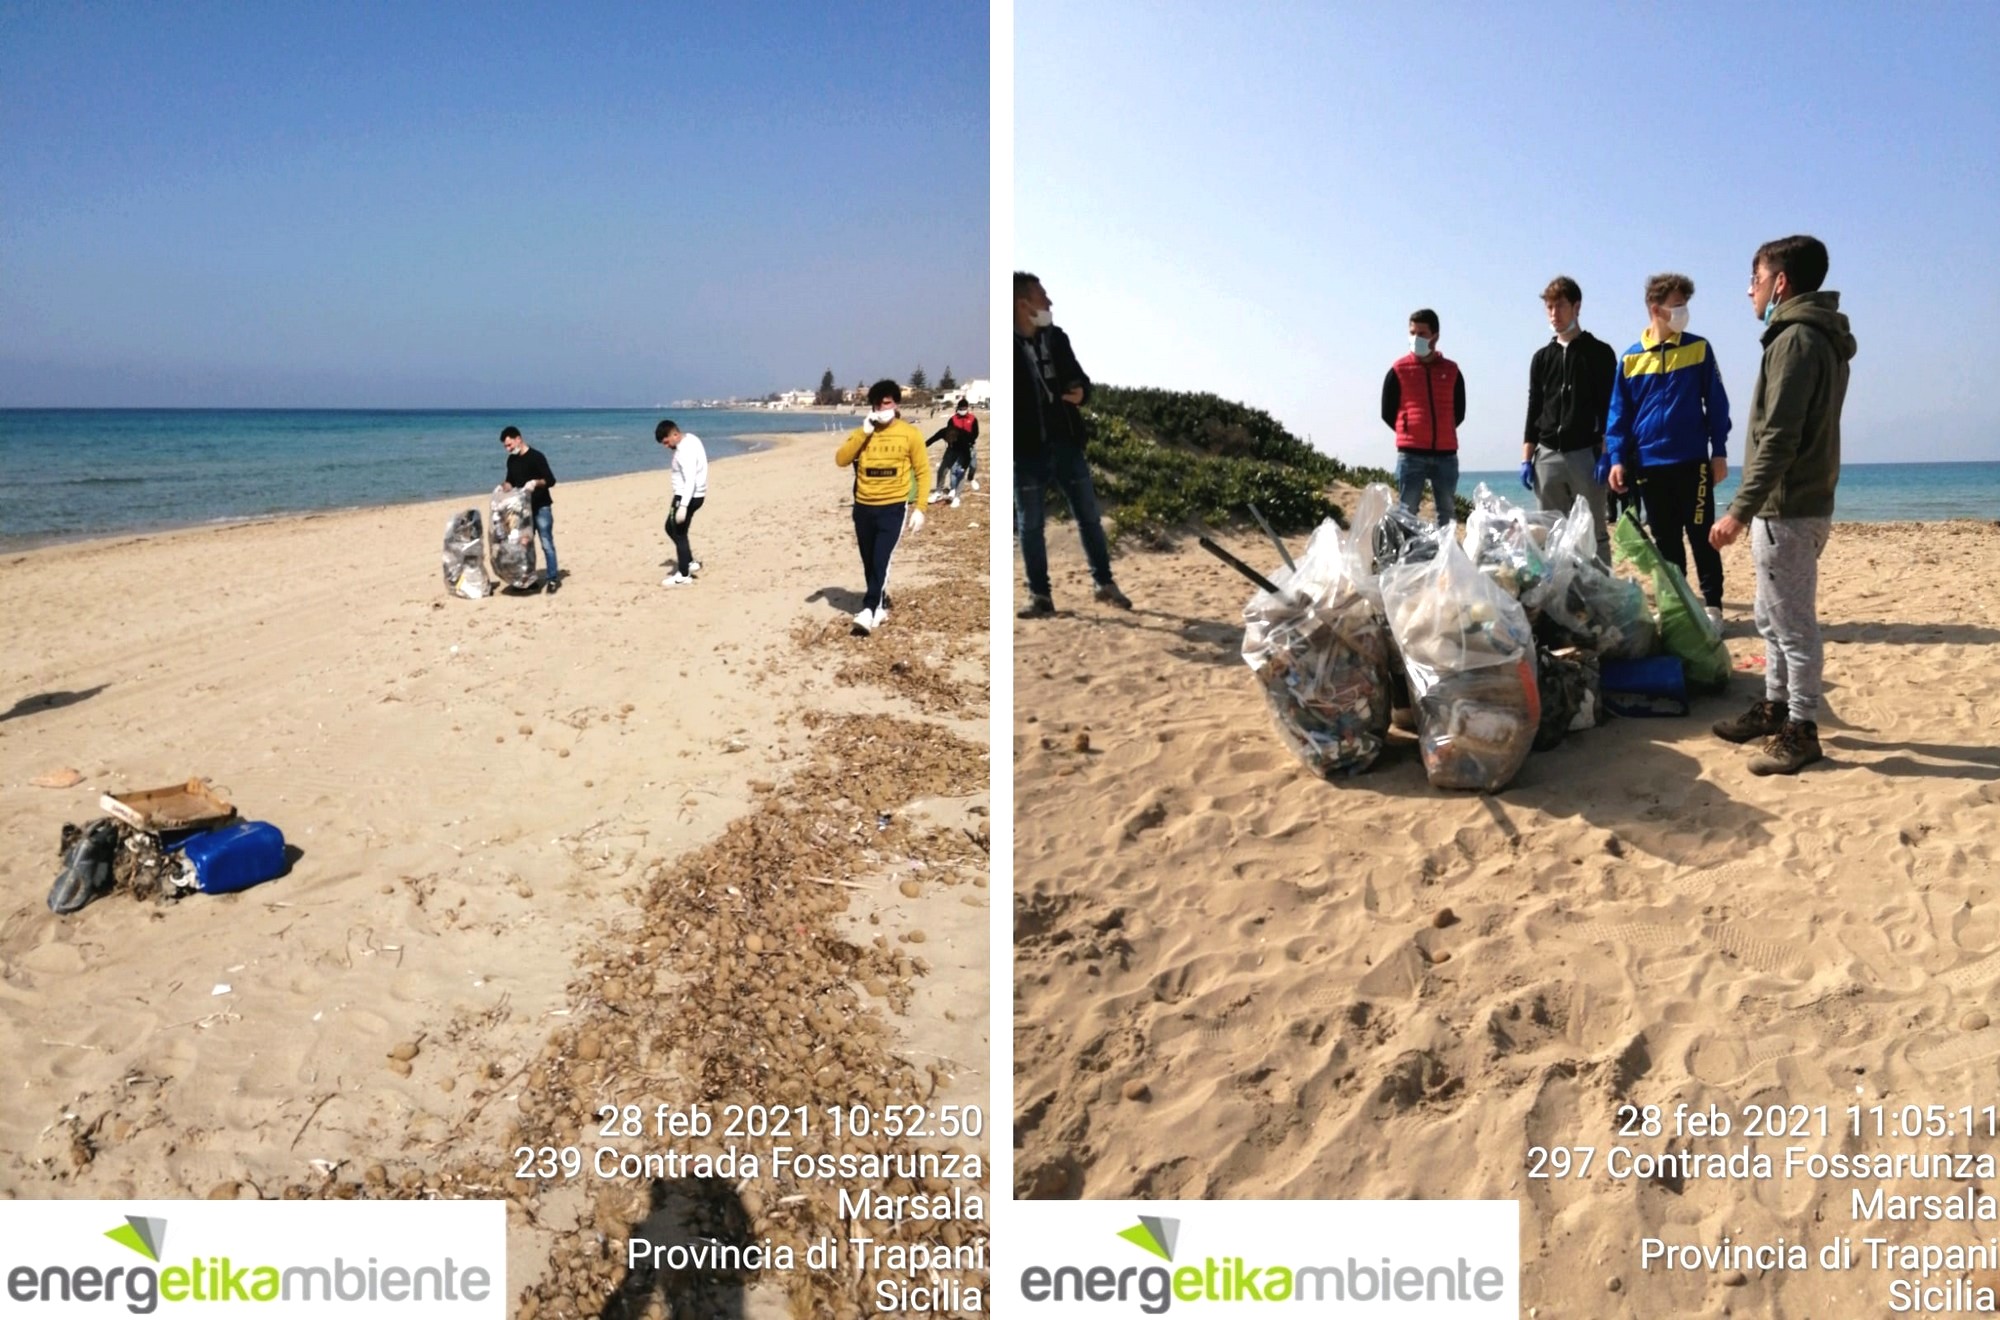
[{"x": 1423, "y": 402}]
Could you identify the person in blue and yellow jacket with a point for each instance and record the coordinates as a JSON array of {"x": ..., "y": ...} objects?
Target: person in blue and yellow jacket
[
  {"x": 1668, "y": 433},
  {"x": 892, "y": 478}
]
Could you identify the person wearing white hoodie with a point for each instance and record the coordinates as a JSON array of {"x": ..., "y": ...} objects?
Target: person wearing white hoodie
[{"x": 690, "y": 474}]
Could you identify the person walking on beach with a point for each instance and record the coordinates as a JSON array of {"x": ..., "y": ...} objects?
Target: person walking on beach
[
  {"x": 1569, "y": 400},
  {"x": 892, "y": 478},
  {"x": 1049, "y": 392},
  {"x": 1669, "y": 433},
  {"x": 690, "y": 474},
  {"x": 1422, "y": 390},
  {"x": 959, "y": 433},
  {"x": 528, "y": 469},
  {"x": 1791, "y": 465}
]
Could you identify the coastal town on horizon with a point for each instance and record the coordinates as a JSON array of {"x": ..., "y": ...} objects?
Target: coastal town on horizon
[{"x": 978, "y": 392}]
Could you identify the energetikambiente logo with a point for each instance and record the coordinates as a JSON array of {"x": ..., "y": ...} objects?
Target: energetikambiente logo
[
  {"x": 80, "y": 1272},
  {"x": 1430, "y": 1278}
]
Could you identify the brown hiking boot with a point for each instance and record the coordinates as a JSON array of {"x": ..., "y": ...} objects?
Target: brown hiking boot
[
  {"x": 1763, "y": 719},
  {"x": 1791, "y": 750}
]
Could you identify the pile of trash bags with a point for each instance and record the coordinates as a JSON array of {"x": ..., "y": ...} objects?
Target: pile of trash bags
[{"x": 1503, "y": 645}]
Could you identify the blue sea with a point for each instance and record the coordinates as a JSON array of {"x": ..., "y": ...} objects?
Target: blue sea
[
  {"x": 1869, "y": 492},
  {"x": 73, "y": 473}
]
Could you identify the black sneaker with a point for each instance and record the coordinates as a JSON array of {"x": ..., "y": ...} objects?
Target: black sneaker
[
  {"x": 1763, "y": 719},
  {"x": 555, "y": 585},
  {"x": 1795, "y": 747},
  {"x": 1111, "y": 595},
  {"x": 1039, "y": 607}
]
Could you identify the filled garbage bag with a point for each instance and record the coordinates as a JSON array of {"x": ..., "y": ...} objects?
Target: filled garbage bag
[
  {"x": 1685, "y": 628},
  {"x": 1596, "y": 607},
  {"x": 465, "y": 557},
  {"x": 1470, "y": 658},
  {"x": 514, "y": 538},
  {"x": 1567, "y": 681},
  {"x": 87, "y": 862},
  {"x": 1382, "y": 532},
  {"x": 1320, "y": 648},
  {"x": 1509, "y": 545}
]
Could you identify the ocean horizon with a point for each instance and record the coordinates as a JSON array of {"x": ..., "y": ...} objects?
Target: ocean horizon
[
  {"x": 1868, "y": 492},
  {"x": 76, "y": 474}
]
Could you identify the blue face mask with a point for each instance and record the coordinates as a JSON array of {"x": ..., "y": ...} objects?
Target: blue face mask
[
  {"x": 1420, "y": 346},
  {"x": 1771, "y": 308}
]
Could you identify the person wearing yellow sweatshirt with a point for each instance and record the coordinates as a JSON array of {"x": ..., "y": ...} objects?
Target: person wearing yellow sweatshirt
[{"x": 892, "y": 479}]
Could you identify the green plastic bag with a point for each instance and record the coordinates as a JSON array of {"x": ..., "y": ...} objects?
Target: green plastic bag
[{"x": 1685, "y": 628}]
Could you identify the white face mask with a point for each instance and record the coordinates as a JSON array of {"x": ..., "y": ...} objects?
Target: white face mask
[
  {"x": 1420, "y": 346},
  {"x": 1041, "y": 319},
  {"x": 883, "y": 415},
  {"x": 1677, "y": 318}
]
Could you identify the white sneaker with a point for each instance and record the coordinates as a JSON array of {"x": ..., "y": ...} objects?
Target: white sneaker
[
  {"x": 936, "y": 495},
  {"x": 881, "y": 615},
  {"x": 694, "y": 566},
  {"x": 675, "y": 580},
  {"x": 864, "y": 622},
  {"x": 954, "y": 501},
  {"x": 975, "y": 483}
]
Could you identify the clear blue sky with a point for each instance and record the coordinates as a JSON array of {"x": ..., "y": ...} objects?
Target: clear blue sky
[
  {"x": 1251, "y": 199},
  {"x": 470, "y": 204}
]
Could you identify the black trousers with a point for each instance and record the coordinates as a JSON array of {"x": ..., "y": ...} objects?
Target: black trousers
[
  {"x": 877, "y": 529},
  {"x": 678, "y": 531},
  {"x": 1680, "y": 499}
]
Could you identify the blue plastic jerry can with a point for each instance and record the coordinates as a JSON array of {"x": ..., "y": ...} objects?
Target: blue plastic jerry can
[{"x": 236, "y": 856}]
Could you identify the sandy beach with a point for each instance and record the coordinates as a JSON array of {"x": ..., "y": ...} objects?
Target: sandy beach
[
  {"x": 621, "y": 845},
  {"x": 1234, "y": 979}
]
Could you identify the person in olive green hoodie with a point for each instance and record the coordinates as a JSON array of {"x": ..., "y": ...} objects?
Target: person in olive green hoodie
[
  {"x": 1791, "y": 464},
  {"x": 892, "y": 478}
]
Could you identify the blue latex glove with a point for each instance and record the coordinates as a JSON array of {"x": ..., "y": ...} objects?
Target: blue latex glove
[{"x": 1528, "y": 473}]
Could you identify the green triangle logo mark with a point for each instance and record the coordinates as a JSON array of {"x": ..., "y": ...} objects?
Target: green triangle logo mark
[
  {"x": 148, "y": 1237},
  {"x": 1155, "y": 1235}
]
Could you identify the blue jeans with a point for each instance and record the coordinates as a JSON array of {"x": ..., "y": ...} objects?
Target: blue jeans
[
  {"x": 1068, "y": 470},
  {"x": 545, "y": 527},
  {"x": 1414, "y": 467}
]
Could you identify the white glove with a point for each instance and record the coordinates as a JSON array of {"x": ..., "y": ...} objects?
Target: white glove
[
  {"x": 868, "y": 426},
  {"x": 915, "y": 522}
]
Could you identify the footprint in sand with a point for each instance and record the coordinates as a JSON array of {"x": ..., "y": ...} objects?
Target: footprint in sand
[
  {"x": 1725, "y": 1062},
  {"x": 1956, "y": 1051},
  {"x": 1777, "y": 956}
]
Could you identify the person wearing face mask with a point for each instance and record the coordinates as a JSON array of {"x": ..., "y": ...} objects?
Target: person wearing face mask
[
  {"x": 892, "y": 479},
  {"x": 1049, "y": 391},
  {"x": 1569, "y": 400},
  {"x": 1791, "y": 465},
  {"x": 959, "y": 433},
  {"x": 1669, "y": 433},
  {"x": 1423, "y": 402}
]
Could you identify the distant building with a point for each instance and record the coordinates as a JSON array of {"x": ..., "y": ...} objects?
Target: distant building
[{"x": 978, "y": 393}]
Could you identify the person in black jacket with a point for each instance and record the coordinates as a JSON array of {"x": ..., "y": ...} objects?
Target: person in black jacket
[
  {"x": 528, "y": 470},
  {"x": 1049, "y": 389},
  {"x": 1569, "y": 400},
  {"x": 960, "y": 433}
]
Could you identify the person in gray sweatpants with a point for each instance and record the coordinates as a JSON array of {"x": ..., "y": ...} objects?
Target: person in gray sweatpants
[
  {"x": 1791, "y": 465},
  {"x": 1569, "y": 400}
]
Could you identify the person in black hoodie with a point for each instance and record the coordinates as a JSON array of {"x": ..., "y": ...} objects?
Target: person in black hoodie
[
  {"x": 528, "y": 469},
  {"x": 1049, "y": 388},
  {"x": 1569, "y": 400}
]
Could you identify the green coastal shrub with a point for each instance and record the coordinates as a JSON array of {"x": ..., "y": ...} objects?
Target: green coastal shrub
[{"x": 1167, "y": 462}]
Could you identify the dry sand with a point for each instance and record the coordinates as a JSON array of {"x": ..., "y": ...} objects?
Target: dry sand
[
  {"x": 1372, "y": 988},
  {"x": 509, "y": 811}
]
